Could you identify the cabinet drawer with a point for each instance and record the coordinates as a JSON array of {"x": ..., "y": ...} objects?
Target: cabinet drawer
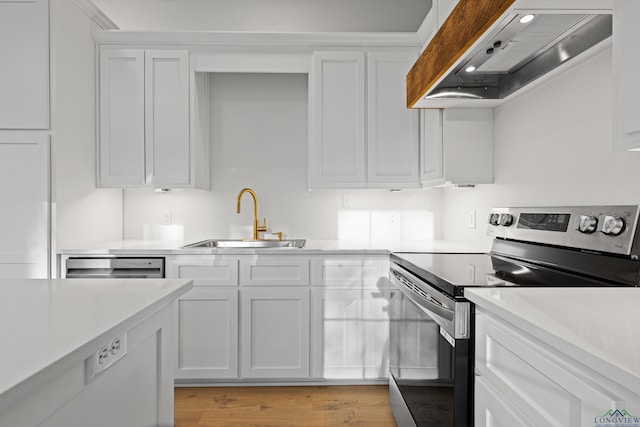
[
  {"x": 275, "y": 271},
  {"x": 349, "y": 273},
  {"x": 211, "y": 272}
]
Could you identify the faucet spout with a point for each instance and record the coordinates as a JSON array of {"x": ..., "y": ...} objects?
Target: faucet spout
[{"x": 257, "y": 228}]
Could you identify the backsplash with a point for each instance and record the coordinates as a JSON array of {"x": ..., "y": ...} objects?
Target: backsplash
[{"x": 259, "y": 134}]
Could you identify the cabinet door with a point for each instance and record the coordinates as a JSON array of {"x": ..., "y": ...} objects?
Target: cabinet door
[
  {"x": 168, "y": 154},
  {"x": 393, "y": 130},
  {"x": 351, "y": 331},
  {"x": 275, "y": 333},
  {"x": 431, "y": 162},
  {"x": 121, "y": 118},
  {"x": 626, "y": 85},
  {"x": 24, "y": 74},
  {"x": 337, "y": 120},
  {"x": 24, "y": 213},
  {"x": 208, "y": 334}
]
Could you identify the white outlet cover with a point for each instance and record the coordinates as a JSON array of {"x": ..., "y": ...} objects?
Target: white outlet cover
[{"x": 109, "y": 353}]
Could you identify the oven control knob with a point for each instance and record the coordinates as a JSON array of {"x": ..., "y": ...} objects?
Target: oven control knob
[
  {"x": 588, "y": 224},
  {"x": 494, "y": 219},
  {"x": 506, "y": 219},
  {"x": 612, "y": 225}
]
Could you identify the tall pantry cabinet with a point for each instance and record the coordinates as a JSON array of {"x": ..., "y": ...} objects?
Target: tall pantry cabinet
[{"x": 24, "y": 139}]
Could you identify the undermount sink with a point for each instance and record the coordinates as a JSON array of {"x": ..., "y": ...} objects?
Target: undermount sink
[{"x": 250, "y": 244}]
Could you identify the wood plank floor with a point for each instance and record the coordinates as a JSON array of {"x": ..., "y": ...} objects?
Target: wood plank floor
[{"x": 283, "y": 406}]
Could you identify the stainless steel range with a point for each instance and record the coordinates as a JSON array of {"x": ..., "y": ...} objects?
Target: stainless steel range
[{"x": 431, "y": 337}]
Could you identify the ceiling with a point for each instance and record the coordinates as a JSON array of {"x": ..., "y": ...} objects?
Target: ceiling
[{"x": 267, "y": 15}]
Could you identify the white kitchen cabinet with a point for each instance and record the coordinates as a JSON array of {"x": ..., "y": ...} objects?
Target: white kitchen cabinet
[
  {"x": 24, "y": 74},
  {"x": 337, "y": 120},
  {"x": 532, "y": 383},
  {"x": 350, "y": 322},
  {"x": 392, "y": 129},
  {"x": 456, "y": 147},
  {"x": 626, "y": 86},
  {"x": 207, "y": 331},
  {"x": 274, "y": 333},
  {"x": 25, "y": 209},
  {"x": 360, "y": 133},
  {"x": 208, "y": 334},
  {"x": 144, "y": 136},
  {"x": 274, "y": 270}
]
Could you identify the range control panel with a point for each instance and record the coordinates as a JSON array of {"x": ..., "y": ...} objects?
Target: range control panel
[{"x": 598, "y": 228}]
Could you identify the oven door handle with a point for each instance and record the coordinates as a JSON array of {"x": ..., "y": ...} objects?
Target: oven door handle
[{"x": 430, "y": 302}]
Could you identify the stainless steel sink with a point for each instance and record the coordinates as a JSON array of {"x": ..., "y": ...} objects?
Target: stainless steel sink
[{"x": 249, "y": 244}]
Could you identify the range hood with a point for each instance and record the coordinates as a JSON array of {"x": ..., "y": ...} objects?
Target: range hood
[{"x": 487, "y": 50}]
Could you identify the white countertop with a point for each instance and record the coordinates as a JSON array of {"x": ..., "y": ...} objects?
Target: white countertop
[
  {"x": 325, "y": 247},
  {"x": 43, "y": 322},
  {"x": 599, "y": 327}
]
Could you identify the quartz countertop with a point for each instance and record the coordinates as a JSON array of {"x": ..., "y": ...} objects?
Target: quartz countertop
[
  {"x": 598, "y": 327},
  {"x": 44, "y": 322},
  {"x": 324, "y": 247}
]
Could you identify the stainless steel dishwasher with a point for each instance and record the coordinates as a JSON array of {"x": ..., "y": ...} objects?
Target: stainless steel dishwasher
[{"x": 113, "y": 267}]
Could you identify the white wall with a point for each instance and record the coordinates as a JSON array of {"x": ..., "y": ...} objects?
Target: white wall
[
  {"x": 82, "y": 213},
  {"x": 552, "y": 146},
  {"x": 267, "y": 15},
  {"x": 259, "y": 140}
]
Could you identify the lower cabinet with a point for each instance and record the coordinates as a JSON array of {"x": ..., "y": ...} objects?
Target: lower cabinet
[
  {"x": 275, "y": 333},
  {"x": 281, "y": 318},
  {"x": 350, "y": 319},
  {"x": 208, "y": 334},
  {"x": 521, "y": 381},
  {"x": 351, "y": 330}
]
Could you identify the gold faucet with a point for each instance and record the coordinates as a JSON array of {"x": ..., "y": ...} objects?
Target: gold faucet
[{"x": 257, "y": 228}]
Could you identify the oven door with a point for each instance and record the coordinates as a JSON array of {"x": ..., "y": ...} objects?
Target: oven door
[{"x": 431, "y": 370}]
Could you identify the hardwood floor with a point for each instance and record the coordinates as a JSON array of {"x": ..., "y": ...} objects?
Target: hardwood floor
[{"x": 283, "y": 406}]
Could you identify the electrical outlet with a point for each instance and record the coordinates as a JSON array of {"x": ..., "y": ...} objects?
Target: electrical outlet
[
  {"x": 347, "y": 200},
  {"x": 108, "y": 354},
  {"x": 393, "y": 219},
  {"x": 167, "y": 217},
  {"x": 471, "y": 220}
]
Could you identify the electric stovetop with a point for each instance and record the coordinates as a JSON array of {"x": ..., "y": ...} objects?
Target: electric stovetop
[{"x": 451, "y": 273}]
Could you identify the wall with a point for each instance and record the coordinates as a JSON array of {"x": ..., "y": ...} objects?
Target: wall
[
  {"x": 552, "y": 146},
  {"x": 259, "y": 140},
  {"x": 82, "y": 213}
]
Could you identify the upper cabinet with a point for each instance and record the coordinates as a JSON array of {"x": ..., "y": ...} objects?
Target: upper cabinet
[
  {"x": 144, "y": 134},
  {"x": 456, "y": 147},
  {"x": 626, "y": 85},
  {"x": 360, "y": 133},
  {"x": 24, "y": 74}
]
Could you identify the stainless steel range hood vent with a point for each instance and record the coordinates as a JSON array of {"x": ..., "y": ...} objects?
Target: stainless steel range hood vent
[
  {"x": 516, "y": 49},
  {"x": 512, "y": 59}
]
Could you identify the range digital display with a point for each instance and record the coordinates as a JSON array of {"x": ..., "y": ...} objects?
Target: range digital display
[{"x": 541, "y": 221}]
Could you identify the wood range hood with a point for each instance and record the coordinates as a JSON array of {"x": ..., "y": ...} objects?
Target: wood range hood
[{"x": 487, "y": 50}]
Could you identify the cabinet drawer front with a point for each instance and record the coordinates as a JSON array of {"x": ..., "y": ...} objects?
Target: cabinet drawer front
[
  {"x": 274, "y": 271},
  {"x": 351, "y": 273},
  {"x": 546, "y": 386},
  {"x": 208, "y": 273}
]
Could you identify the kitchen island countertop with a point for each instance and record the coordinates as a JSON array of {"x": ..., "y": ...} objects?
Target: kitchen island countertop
[
  {"x": 597, "y": 327},
  {"x": 48, "y": 325}
]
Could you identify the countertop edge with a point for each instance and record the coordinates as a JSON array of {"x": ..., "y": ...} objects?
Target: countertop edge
[
  {"x": 16, "y": 392},
  {"x": 589, "y": 359}
]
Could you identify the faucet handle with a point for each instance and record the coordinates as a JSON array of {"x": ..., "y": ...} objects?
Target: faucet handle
[{"x": 262, "y": 227}]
